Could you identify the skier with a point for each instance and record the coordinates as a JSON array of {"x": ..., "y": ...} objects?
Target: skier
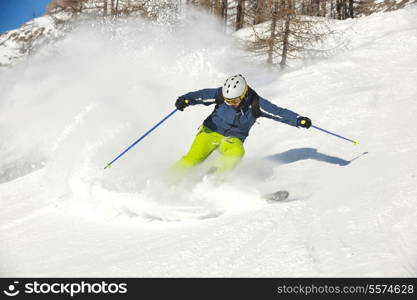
[{"x": 237, "y": 106}]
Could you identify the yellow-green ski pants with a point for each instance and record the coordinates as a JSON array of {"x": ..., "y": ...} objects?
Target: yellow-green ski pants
[{"x": 230, "y": 148}]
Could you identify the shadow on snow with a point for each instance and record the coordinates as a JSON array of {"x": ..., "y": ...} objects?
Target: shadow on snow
[{"x": 298, "y": 154}]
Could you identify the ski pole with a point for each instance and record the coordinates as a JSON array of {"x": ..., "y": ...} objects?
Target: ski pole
[
  {"x": 108, "y": 165},
  {"x": 355, "y": 142}
]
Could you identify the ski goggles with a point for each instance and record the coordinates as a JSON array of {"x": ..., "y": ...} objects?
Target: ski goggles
[
  {"x": 233, "y": 101},
  {"x": 237, "y": 100}
]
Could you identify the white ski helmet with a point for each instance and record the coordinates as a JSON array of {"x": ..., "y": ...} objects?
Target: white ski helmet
[{"x": 234, "y": 87}]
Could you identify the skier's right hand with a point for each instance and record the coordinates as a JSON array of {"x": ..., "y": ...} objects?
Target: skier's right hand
[{"x": 182, "y": 103}]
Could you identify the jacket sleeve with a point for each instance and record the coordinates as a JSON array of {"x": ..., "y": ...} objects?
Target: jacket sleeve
[
  {"x": 204, "y": 96},
  {"x": 272, "y": 111}
]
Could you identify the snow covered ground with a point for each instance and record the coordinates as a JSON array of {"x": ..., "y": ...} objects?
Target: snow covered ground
[{"x": 77, "y": 103}]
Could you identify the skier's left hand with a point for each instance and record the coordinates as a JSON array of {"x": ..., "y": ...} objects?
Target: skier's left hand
[
  {"x": 181, "y": 103},
  {"x": 303, "y": 122}
]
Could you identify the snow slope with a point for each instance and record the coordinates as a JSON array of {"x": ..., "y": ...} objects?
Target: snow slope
[{"x": 77, "y": 103}]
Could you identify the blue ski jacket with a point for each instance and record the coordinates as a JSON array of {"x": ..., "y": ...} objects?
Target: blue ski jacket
[{"x": 237, "y": 122}]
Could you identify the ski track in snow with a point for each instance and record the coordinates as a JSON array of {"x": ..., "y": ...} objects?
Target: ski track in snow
[{"x": 353, "y": 208}]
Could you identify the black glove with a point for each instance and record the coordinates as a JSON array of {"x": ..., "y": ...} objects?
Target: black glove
[
  {"x": 182, "y": 103},
  {"x": 303, "y": 122}
]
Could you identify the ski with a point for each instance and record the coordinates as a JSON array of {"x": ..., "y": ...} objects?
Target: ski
[{"x": 277, "y": 196}]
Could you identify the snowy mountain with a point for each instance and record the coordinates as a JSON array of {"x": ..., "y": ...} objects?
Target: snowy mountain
[
  {"x": 60, "y": 18},
  {"x": 18, "y": 43},
  {"x": 78, "y": 102}
]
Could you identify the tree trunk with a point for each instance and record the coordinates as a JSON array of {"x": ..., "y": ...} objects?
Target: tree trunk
[
  {"x": 271, "y": 41},
  {"x": 339, "y": 9},
  {"x": 351, "y": 14},
  {"x": 303, "y": 8},
  {"x": 262, "y": 11},
  {"x": 240, "y": 14},
  {"x": 323, "y": 9},
  {"x": 285, "y": 41},
  {"x": 112, "y": 8},
  {"x": 224, "y": 12},
  {"x": 331, "y": 9},
  {"x": 218, "y": 7},
  {"x": 343, "y": 9},
  {"x": 258, "y": 12},
  {"x": 206, "y": 4}
]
